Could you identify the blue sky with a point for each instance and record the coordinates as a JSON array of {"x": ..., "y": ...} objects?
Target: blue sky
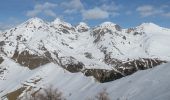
[{"x": 126, "y": 13}]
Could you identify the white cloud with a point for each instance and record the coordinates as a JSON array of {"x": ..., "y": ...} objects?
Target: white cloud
[
  {"x": 95, "y": 13},
  {"x": 33, "y": 13},
  {"x": 110, "y": 7},
  {"x": 70, "y": 11},
  {"x": 105, "y": 10},
  {"x": 42, "y": 8},
  {"x": 148, "y": 10},
  {"x": 76, "y": 6},
  {"x": 166, "y": 14},
  {"x": 73, "y": 4},
  {"x": 50, "y": 13}
]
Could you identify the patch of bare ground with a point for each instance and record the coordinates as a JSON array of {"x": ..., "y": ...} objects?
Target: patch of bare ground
[{"x": 15, "y": 94}]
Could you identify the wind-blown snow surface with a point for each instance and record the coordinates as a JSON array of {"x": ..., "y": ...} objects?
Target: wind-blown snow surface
[{"x": 151, "y": 84}]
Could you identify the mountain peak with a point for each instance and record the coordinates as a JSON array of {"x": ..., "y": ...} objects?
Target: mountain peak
[
  {"x": 83, "y": 24},
  {"x": 148, "y": 25},
  {"x": 35, "y": 20},
  {"x": 111, "y": 26},
  {"x": 82, "y": 27},
  {"x": 107, "y": 24},
  {"x": 58, "y": 21}
]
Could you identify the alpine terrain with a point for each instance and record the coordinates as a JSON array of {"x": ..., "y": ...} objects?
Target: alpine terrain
[{"x": 81, "y": 61}]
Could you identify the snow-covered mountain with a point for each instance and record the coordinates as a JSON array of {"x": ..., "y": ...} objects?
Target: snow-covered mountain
[{"x": 37, "y": 49}]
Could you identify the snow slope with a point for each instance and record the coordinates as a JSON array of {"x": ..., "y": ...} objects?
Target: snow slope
[{"x": 151, "y": 84}]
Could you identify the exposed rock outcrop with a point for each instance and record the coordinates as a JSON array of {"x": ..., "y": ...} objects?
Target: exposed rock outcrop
[
  {"x": 1, "y": 60},
  {"x": 121, "y": 70},
  {"x": 32, "y": 61},
  {"x": 130, "y": 67},
  {"x": 103, "y": 75}
]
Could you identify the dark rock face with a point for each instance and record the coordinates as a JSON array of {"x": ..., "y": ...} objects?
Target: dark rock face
[
  {"x": 111, "y": 61},
  {"x": 124, "y": 69},
  {"x": 2, "y": 43},
  {"x": 71, "y": 64},
  {"x": 88, "y": 55},
  {"x": 130, "y": 67},
  {"x": 1, "y": 60},
  {"x": 103, "y": 75},
  {"x": 83, "y": 29},
  {"x": 130, "y": 30},
  {"x": 65, "y": 29},
  {"x": 137, "y": 33},
  {"x": 73, "y": 68},
  {"x": 1, "y": 68},
  {"x": 97, "y": 34},
  {"x": 29, "y": 60},
  {"x": 124, "y": 37},
  {"x": 118, "y": 28},
  {"x": 2, "y": 71},
  {"x": 134, "y": 31}
]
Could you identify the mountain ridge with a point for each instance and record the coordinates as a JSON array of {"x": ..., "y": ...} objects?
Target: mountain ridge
[
  {"x": 71, "y": 47},
  {"x": 105, "y": 52},
  {"x": 101, "y": 24}
]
